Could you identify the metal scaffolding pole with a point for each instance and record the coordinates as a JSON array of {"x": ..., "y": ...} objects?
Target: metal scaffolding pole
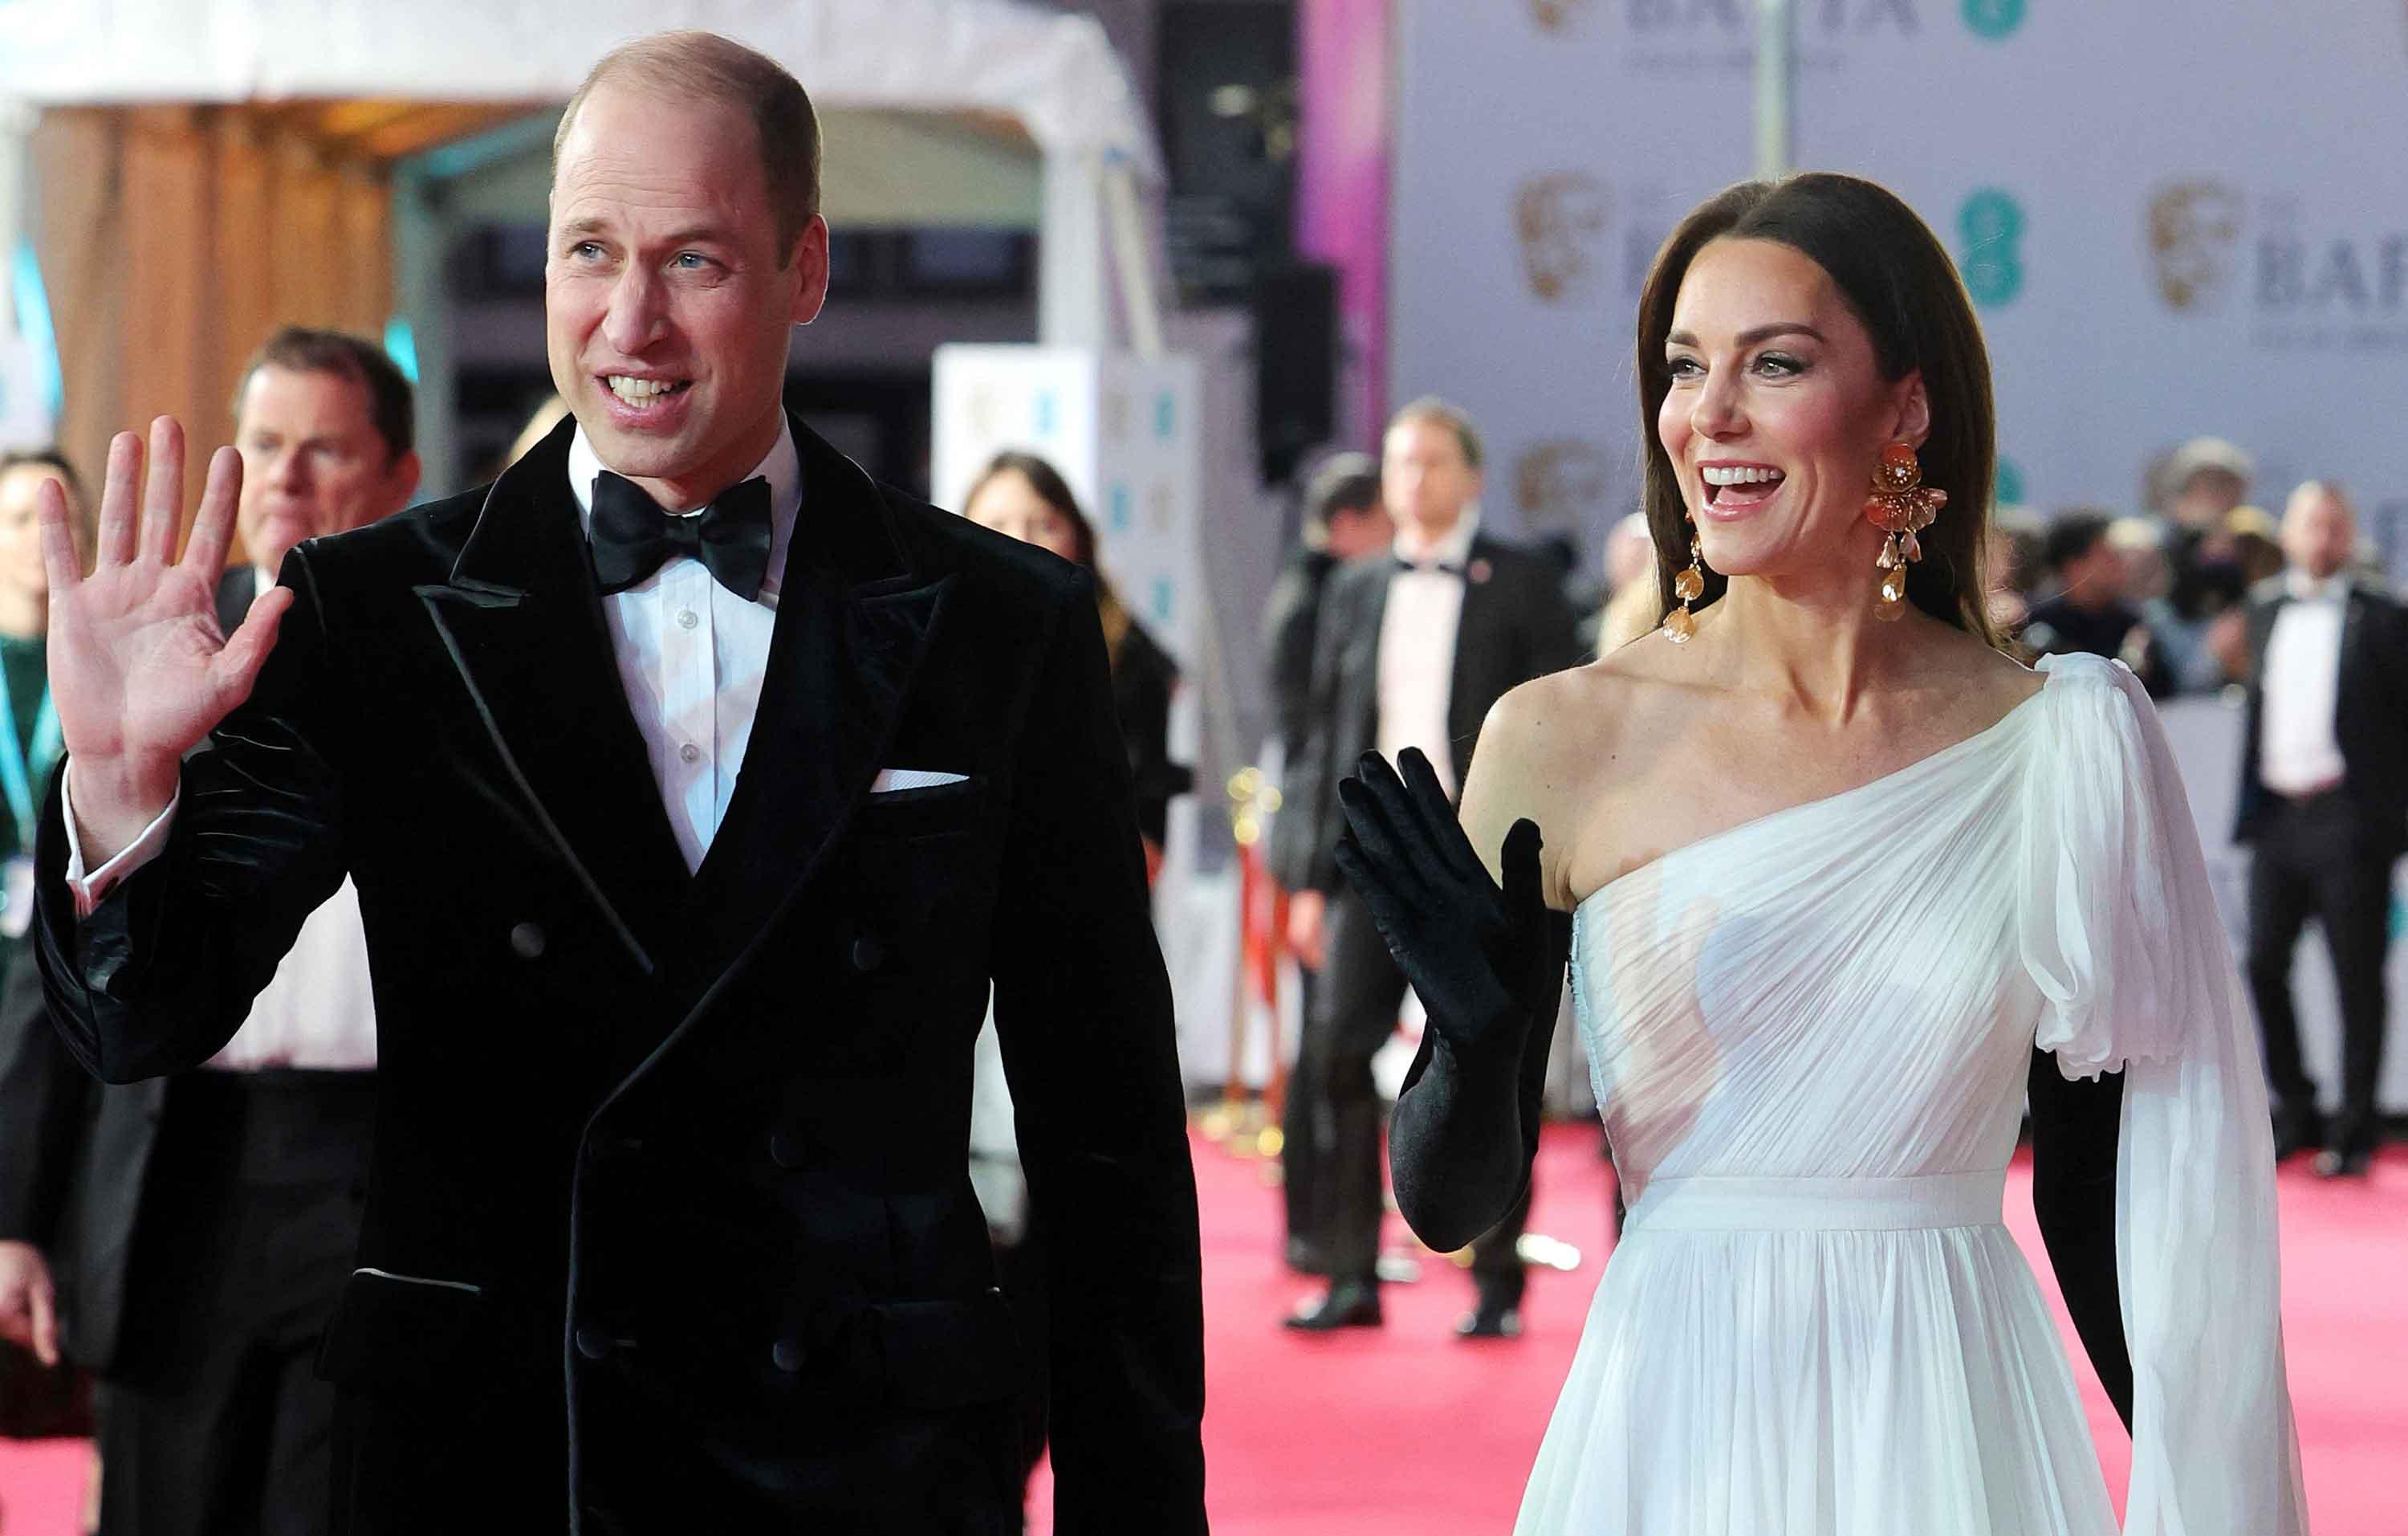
[{"x": 1776, "y": 71}]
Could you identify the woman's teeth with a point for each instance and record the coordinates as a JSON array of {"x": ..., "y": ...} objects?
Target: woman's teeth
[{"x": 1721, "y": 477}]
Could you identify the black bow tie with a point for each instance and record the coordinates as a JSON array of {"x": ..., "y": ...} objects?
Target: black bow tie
[
  {"x": 633, "y": 537},
  {"x": 1434, "y": 567}
]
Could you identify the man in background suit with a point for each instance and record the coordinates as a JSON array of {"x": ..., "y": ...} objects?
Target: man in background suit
[
  {"x": 2324, "y": 804},
  {"x": 326, "y": 427},
  {"x": 698, "y": 791},
  {"x": 201, "y": 1226},
  {"x": 1344, "y": 519},
  {"x": 1414, "y": 645}
]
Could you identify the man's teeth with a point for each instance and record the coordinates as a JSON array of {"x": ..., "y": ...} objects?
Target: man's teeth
[
  {"x": 1717, "y": 476},
  {"x": 637, "y": 391}
]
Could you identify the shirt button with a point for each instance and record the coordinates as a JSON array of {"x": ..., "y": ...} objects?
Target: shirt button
[
  {"x": 688, "y": 618},
  {"x": 689, "y": 754}
]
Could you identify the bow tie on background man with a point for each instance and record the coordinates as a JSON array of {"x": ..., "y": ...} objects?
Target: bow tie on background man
[
  {"x": 1430, "y": 567},
  {"x": 633, "y": 536}
]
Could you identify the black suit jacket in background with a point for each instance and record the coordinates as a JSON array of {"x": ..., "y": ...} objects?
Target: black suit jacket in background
[
  {"x": 1291, "y": 618},
  {"x": 669, "y": 1218},
  {"x": 75, "y": 1157},
  {"x": 2370, "y": 717},
  {"x": 1515, "y": 626}
]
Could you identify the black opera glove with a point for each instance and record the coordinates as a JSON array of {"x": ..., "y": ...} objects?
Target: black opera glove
[{"x": 1478, "y": 957}]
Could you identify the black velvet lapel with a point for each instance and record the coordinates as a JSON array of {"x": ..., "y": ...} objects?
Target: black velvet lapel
[
  {"x": 523, "y": 622},
  {"x": 853, "y": 621}
]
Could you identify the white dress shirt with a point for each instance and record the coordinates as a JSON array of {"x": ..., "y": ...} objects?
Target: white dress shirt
[
  {"x": 691, "y": 655},
  {"x": 2299, "y": 752},
  {"x": 317, "y": 1011},
  {"x": 1417, "y": 632}
]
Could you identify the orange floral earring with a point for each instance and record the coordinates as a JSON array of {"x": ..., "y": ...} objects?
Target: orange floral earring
[
  {"x": 1902, "y": 506},
  {"x": 1689, "y": 585}
]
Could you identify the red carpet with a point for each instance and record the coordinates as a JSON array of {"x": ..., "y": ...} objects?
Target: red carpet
[{"x": 1408, "y": 1432}]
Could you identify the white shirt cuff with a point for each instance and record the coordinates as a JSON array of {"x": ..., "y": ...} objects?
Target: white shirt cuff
[{"x": 91, "y": 889}]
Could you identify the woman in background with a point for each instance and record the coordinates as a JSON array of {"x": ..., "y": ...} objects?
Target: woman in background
[
  {"x": 1023, "y": 495},
  {"x": 29, "y": 726}
]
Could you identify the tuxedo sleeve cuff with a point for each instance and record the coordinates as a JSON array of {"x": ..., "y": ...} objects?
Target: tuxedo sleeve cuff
[{"x": 90, "y": 889}]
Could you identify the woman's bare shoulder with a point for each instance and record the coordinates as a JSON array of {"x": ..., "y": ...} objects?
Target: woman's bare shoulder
[{"x": 1984, "y": 682}]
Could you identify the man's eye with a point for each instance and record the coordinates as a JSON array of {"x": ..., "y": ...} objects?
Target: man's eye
[{"x": 689, "y": 260}]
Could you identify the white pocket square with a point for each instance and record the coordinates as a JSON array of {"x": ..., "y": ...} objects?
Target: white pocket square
[{"x": 891, "y": 780}]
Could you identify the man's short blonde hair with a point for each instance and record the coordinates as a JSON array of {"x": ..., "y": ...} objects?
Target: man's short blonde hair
[
  {"x": 706, "y": 67},
  {"x": 2321, "y": 490},
  {"x": 1429, "y": 408}
]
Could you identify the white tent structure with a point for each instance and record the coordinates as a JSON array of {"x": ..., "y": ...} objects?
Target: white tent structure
[{"x": 1056, "y": 73}]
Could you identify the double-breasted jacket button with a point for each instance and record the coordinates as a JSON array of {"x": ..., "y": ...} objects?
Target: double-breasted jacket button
[
  {"x": 526, "y": 941},
  {"x": 785, "y": 1149},
  {"x": 867, "y": 953},
  {"x": 787, "y": 1356},
  {"x": 592, "y": 1343}
]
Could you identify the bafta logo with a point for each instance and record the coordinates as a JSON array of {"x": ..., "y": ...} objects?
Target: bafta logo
[
  {"x": 1558, "y": 482},
  {"x": 2192, "y": 227},
  {"x": 1560, "y": 220},
  {"x": 1560, "y": 16}
]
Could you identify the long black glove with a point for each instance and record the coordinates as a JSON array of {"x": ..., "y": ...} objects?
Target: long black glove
[
  {"x": 2076, "y": 1128},
  {"x": 1488, "y": 965}
]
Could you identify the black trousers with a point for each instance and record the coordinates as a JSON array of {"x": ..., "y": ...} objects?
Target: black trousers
[
  {"x": 215, "y": 1421},
  {"x": 1355, "y": 1001},
  {"x": 2314, "y": 858},
  {"x": 1304, "y": 1175}
]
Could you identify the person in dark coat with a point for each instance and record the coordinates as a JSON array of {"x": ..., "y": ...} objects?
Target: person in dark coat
[
  {"x": 1344, "y": 519},
  {"x": 2324, "y": 806},
  {"x": 2087, "y": 612},
  {"x": 699, "y": 792}
]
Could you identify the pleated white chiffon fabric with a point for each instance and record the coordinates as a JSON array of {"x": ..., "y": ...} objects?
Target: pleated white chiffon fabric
[{"x": 1810, "y": 1034}]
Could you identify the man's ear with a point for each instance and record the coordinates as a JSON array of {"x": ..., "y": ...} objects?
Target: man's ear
[
  {"x": 809, "y": 260},
  {"x": 402, "y": 481}
]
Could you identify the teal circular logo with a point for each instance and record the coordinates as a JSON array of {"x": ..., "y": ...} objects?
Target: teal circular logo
[
  {"x": 1994, "y": 19},
  {"x": 1991, "y": 230},
  {"x": 2007, "y": 487}
]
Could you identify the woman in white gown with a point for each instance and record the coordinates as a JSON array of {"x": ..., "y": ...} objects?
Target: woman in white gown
[{"x": 1831, "y": 879}]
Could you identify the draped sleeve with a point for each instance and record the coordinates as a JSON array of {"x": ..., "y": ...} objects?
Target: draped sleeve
[{"x": 2119, "y": 932}]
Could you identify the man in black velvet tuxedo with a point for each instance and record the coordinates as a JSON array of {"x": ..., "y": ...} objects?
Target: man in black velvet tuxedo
[
  {"x": 1414, "y": 645},
  {"x": 696, "y": 789}
]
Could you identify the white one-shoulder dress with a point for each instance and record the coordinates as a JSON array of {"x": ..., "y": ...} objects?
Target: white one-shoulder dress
[{"x": 1809, "y": 1034}]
